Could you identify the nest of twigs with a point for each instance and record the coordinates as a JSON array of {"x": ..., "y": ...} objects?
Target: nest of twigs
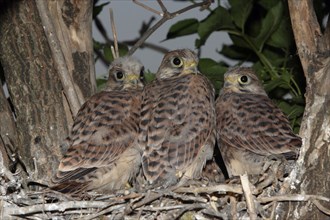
[{"x": 246, "y": 196}]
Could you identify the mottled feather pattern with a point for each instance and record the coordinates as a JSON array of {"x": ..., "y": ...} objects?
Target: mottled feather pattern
[
  {"x": 177, "y": 125},
  {"x": 102, "y": 153},
  {"x": 99, "y": 139},
  {"x": 250, "y": 127},
  {"x": 254, "y": 123}
]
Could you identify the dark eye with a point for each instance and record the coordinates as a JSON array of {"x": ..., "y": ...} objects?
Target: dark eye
[
  {"x": 142, "y": 74},
  {"x": 176, "y": 61},
  {"x": 119, "y": 75},
  {"x": 244, "y": 79}
]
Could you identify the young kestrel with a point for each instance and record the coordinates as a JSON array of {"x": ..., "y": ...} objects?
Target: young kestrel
[
  {"x": 250, "y": 128},
  {"x": 177, "y": 121},
  {"x": 103, "y": 154}
]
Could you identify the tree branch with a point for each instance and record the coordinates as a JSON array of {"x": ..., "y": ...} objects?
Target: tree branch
[
  {"x": 165, "y": 17},
  {"x": 307, "y": 35},
  {"x": 248, "y": 196},
  {"x": 58, "y": 57}
]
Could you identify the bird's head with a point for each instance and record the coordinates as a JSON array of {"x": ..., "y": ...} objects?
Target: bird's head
[
  {"x": 242, "y": 80},
  {"x": 126, "y": 73},
  {"x": 178, "y": 63}
]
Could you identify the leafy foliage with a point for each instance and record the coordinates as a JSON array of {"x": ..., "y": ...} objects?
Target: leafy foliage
[{"x": 261, "y": 35}]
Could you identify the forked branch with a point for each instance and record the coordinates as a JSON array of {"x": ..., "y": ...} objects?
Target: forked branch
[{"x": 165, "y": 17}]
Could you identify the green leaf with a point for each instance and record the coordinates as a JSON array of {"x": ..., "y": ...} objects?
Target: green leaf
[
  {"x": 107, "y": 53},
  {"x": 237, "y": 53},
  {"x": 213, "y": 71},
  {"x": 149, "y": 76},
  {"x": 292, "y": 111},
  {"x": 274, "y": 83},
  {"x": 240, "y": 11},
  {"x": 283, "y": 36},
  {"x": 182, "y": 28},
  {"x": 275, "y": 57},
  {"x": 269, "y": 24},
  {"x": 98, "y": 8},
  {"x": 268, "y": 4},
  {"x": 238, "y": 40},
  {"x": 123, "y": 49},
  {"x": 100, "y": 83},
  {"x": 219, "y": 19}
]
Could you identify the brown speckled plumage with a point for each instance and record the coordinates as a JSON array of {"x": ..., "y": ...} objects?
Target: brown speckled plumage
[
  {"x": 177, "y": 121},
  {"x": 103, "y": 153},
  {"x": 250, "y": 127}
]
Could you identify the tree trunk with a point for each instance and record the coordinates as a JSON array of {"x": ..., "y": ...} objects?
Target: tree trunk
[
  {"x": 32, "y": 73},
  {"x": 7, "y": 129},
  {"x": 312, "y": 173}
]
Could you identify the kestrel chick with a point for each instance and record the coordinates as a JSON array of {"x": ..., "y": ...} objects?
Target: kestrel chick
[
  {"x": 103, "y": 154},
  {"x": 249, "y": 126},
  {"x": 177, "y": 121}
]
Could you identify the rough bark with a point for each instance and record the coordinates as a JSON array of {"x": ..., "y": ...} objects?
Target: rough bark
[
  {"x": 73, "y": 24},
  {"x": 40, "y": 103},
  {"x": 71, "y": 46},
  {"x": 7, "y": 129},
  {"x": 312, "y": 173}
]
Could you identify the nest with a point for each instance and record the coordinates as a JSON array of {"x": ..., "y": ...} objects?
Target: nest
[{"x": 254, "y": 197}]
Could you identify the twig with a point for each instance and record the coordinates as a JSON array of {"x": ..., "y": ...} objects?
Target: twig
[
  {"x": 115, "y": 54},
  {"x": 190, "y": 207},
  {"x": 221, "y": 188},
  {"x": 163, "y": 208},
  {"x": 321, "y": 207},
  {"x": 162, "y": 6},
  {"x": 166, "y": 16},
  {"x": 148, "y": 198},
  {"x": 58, "y": 57},
  {"x": 298, "y": 198},
  {"x": 186, "y": 198},
  {"x": 293, "y": 197},
  {"x": 248, "y": 196},
  {"x": 105, "y": 211},
  {"x": 53, "y": 207},
  {"x": 147, "y": 7},
  {"x": 272, "y": 214},
  {"x": 233, "y": 207}
]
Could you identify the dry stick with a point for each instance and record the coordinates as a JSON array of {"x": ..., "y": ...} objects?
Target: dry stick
[
  {"x": 163, "y": 208},
  {"x": 190, "y": 207},
  {"x": 292, "y": 198},
  {"x": 272, "y": 215},
  {"x": 104, "y": 34},
  {"x": 186, "y": 197},
  {"x": 53, "y": 207},
  {"x": 299, "y": 198},
  {"x": 162, "y": 6},
  {"x": 148, "y": 198},
  {"x": 111, "y": 207},
  {"x": 105, "y": 211},
  {"x": 114, "y": 33},
  {"x": 147, "y": 7},
  {"x": 166, "y": 16},
  {"x": 248, "y": 196},
  {"x": 221, "y": 188},
  {"x": 233, "y": 207},
  {"x": 58, "y": 57},
  {"x": 321, "y": 207}
]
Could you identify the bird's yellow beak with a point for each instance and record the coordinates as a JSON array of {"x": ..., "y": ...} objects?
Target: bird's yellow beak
[
  {"x": 189, "y": 67},
  {"x": 132, "y": 78},
  {"x": 133, "y": 81},
  {"x": 230, "y": 79}
]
